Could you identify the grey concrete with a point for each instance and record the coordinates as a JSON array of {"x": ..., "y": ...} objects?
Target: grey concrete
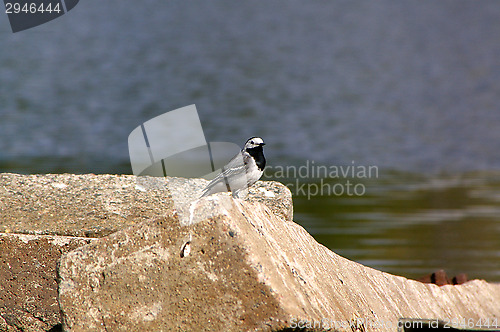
[
  {"x": 97, "y": 205},
  {"x": 160, "y": 259},
  {"x": 245, "y": 269},
  {"x": 42, "y": 215}
]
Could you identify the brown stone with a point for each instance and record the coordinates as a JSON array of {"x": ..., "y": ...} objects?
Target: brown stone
[
  {"x": 440, "y": 278},
  {"x": 28, "y": 291},
  {"x": 459, "y": 279}
]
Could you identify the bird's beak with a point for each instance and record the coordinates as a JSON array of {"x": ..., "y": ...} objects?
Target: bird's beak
[{"x": 262, "y": 144}]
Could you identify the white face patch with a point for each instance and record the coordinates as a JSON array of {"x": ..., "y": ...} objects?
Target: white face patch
[{"x": 254, "y": 142}]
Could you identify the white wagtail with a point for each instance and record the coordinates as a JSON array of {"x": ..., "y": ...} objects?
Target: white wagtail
[{"x": 242, "y": 171}]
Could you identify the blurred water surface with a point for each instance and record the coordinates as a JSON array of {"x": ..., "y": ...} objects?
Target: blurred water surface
[{"x": 411, "y": 87}]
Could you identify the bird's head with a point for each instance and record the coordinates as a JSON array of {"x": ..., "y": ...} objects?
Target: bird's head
[{"x": 254, "y": 142}]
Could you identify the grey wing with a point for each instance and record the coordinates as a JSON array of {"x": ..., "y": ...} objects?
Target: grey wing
[
  {"x": 236, "y": 161},
  {"x": 233, "y": 176}
]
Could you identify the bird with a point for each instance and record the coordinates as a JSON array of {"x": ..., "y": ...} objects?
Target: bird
[{"x": 242, "y": 171}]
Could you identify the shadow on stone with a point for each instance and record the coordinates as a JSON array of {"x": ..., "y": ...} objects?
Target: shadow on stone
[{"x": 56, "y": 328}]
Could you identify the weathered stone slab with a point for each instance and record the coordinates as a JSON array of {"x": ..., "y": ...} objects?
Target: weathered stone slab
[
  {"x": 97, "y": 205},
  {"x": 79, "y": 205},
  {"x": 28, "y": 291},
  {"x": 239, "y": 267}
]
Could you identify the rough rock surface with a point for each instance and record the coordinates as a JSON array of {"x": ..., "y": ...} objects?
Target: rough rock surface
[
  {"x": 28, "y": 291},
  {"x": 91, "y": 205},
  {"x": 79, "y": 205},
  {"x": 239, "y": 267},
  {"x": 163, "y": 260}
]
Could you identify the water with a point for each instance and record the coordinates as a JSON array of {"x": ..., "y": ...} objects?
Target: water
[
  {"x": 411, "y": 87},
  {"x": 411, "y": 224}
]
